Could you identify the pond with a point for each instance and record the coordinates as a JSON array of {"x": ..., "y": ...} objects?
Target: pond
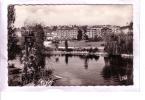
[
  {"x": 90, "y": 70},
  {"x": 70, "y": 70}
]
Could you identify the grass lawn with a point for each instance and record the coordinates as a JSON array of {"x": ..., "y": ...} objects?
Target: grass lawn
[{"x": 81, "y": 44}]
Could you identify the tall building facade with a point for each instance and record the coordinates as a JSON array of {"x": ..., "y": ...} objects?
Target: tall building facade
[{"x": 71, "y": 32}]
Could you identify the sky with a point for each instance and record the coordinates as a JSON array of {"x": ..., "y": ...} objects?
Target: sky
[{"x": 73, "y": 15}]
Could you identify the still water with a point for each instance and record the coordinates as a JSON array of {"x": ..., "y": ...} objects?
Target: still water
[{"x": 90, "y": 70}]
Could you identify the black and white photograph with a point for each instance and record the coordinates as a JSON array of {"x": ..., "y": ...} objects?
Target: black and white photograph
[{"x": 70, "y": 45}]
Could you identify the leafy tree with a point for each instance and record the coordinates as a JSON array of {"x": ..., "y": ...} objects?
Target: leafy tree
[
  {"x": 84, "y": 28},
  {"x": 66, "y": 45},
  {"x": 54, "y": 28},
  {"x": 39, "y": 38},
  {"x": 13, "y": 48},
  {"x": 79, "y": 36}
]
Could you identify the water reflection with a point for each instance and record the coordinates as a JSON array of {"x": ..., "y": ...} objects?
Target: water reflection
[
  {"x": 83, "y": 57},
  {"x": 85, "y": 70},
  {"x": 66, "y": 59},
  {"x": 86, "y": 63},
  {"x": 99, "y": 70},
  {"x": 118, "y": 69}
]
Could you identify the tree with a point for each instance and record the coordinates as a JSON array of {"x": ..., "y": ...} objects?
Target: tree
[
  {"x": 39, "y": 39},
  {"x": 13, "y": 48},
  {"x": 97, "y": 38},
  {"x": 131, "y": 25},
  {"x": 66, "y": 45},
  {"x": 84, "y": 28},
  {"x": 79, "y": 36},
  {"x": 54, "y": 28}
]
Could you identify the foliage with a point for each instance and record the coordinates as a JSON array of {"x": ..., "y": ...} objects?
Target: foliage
[
  {"x": 120, "y": 44},
  {"x": 98, "y": 38},
  {"x": 13, "y": 48},
  {"x": 80, "y": 34}
]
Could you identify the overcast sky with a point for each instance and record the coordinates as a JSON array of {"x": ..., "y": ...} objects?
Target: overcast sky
[{"x": 73, "y": 14}]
